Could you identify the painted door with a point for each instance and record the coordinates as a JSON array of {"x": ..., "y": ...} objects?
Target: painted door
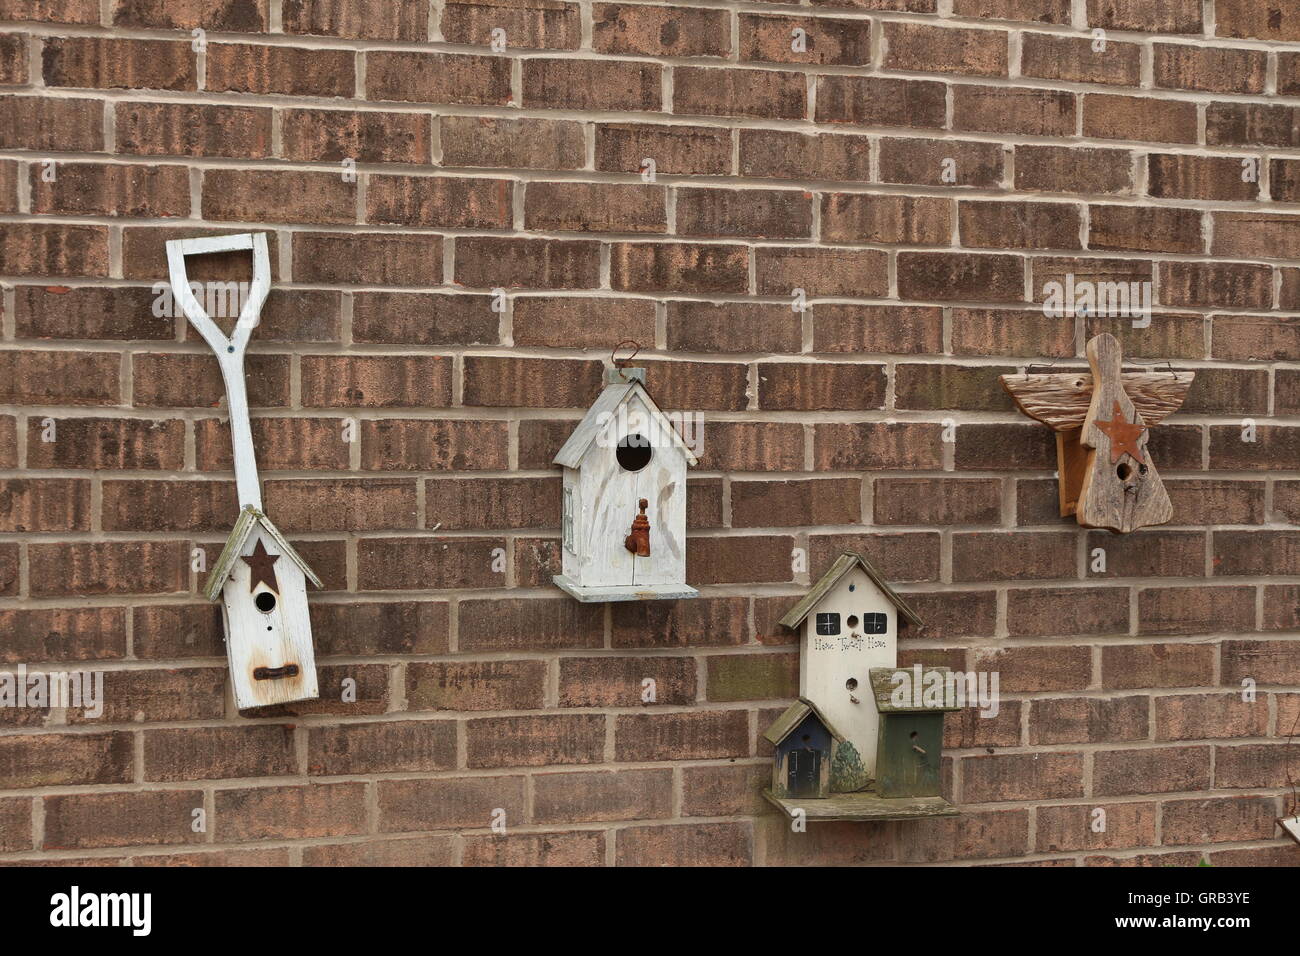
[{"x": 803, "y": 770}]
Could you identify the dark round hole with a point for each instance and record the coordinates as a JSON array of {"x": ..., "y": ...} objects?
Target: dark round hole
[
  {"x": 265, "y": 602},
  {"x": 852, "y": 620},
  {"x": 807, "y": 737},
  {"x": 851, "y": 683},
  {"x": 1123, "y": 470},
  {"x": 634, "y": 452}
]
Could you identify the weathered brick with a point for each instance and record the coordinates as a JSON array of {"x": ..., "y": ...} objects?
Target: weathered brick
[
  {"x": 924, "y": 48},
  {"x": 1069, "y": 828},
  {"x": 497, "y": 142},
  {"x": 362, "y": 136},
  {"x": 534, "y": 741},
  {"x": 382, "y": 747},
  {"x": 827, "y": 41},
  {"x": 1001, "y": 109},
  {"x": 690, "y": 735},
  {"x": 197, "y": 753},
  {"x": 1145, "y": 229},
  {"x": 1217, "y": 820},
  {"x": 591, "y": 84},
  {"x": 438, "y": 201},
  {"x": 1182, "y": 66},
  {"x": 63, "y": 124},
  {"x": 136, "y": 818},
  {"x": 530, "y": 24},
  {"x": 1077, "y": 60},
  {"x": 391, "y": 20},
  {"x": 879, "y": 101},
  {"x": 207, "y": 130},
  {"x": 59, "y": 760},
  {"x": 679, "y": 267},
  {"x": 595, "y": 207},
  {"x": 927, "y": 162},
  {"x": 259, "y": 68},
  {"x": 762, "y": 93},
  {"x": 602, "y": 796},
  {"x": 38, "y": 249},
  {"x": 290, "y": 812},
  {"x": 1156, "y": 16},
  {"x": 1139, "y": 118},
  {"x": 376, "y": 381},
  {"x": 1038, "y": 776},
  {"x": 418, "y": 77},
  {"x": 112, "y": 63},
  {"x": 226, "y": 16},
  {"x": 1064, "y": 169},
  {"x": 624, "y": 147},
  {"x": 1242, "y": 18},
  {"x": 118, "y": 567},
  {"x": 705, "y": 844},
  {"x": 622, "y": 28},
  {"x": 953, "y": 275},
  {"x": 1150, "y": 770},
  {"x": 424, "y": 319},
  {"x": 489, "y": 262},
  {"x": 424, "y": 563}
]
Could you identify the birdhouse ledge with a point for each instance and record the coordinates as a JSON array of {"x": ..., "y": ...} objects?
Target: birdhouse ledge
[{"x": 862, "y": 806}]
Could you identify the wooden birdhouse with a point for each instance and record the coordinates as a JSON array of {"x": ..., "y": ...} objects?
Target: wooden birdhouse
[
  {"x": 849, "y": 623},
  {"x": 911, "y": 703},
  {"x": 624, "y": 514},
  {"x": 1102, "y": 422},
  {"x": 805, "y": 745},
  {"x": 261, "y": 580}
]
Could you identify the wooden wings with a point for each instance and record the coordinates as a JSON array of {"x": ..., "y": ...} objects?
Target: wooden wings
[{"x": 1102, "y": 422}]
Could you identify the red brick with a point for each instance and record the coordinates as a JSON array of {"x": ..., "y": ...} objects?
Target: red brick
[
  {"x": 528, "y": 24},
  {"x": 879, "y": 101},
  {"x": 568, "y": 849},
  {"x": 1025, "y": 669},
  {"x": 1131, "y": 666},
  {"x": 679, "y": 267},
  {"x": 534, "y": 741},
  {"x": 438, "y": 201},
  {"x": 291, "y": 812},
  {"x": 1089, "y": 720},
  {"x": 424, "y": 319},
  {"x": 660, "y": 31},
  {"x": 196, "y": 753},
  {"x": 202, "y": 129},
  {"x": 390, "y": 20},
  {"x": 1155, "y": 16},
  {"x": 690, "y": 735},
  {"x": 1001, "y": 109},
  {"x": 1243, "y": 18},
  {"x": 856, "y": 217},
  {"x": 704, "y": 844},
  {"x": 1077, "y": 60},
  {"x": 952, "y": 275},
  {"x": 615, "y": 85},
  {"x": 258, "y": 68},
  {"x": 52, "y": 124},
  {"x": 595, "y": 207},
  {"x": 49, "y": 504},
  {"x": 602, "y": 796},
  {"x": 920, "y": 47},
  {"x": 1254, "y": 765},
  {"x": 104, "y": 443},
  {"x": 419, "y": 851},
  {"x": 37, "y": 249},
  {"x": 1070, "y": 828},
  {"x": 418, "y": 77},
  {"x": 761, "y": 93},
  {"x": 546, "y": 383},
  {"x": 138, "y": 818},
  {"x": 382, "y": 747},
  {"x": 241, "y": 195},
  {"x": 779, "y": 154},
  {"x": 54, "y": 11},
  {"x": 624, "y": 147},
  {"x": 620, "y": 681},
  {"x": 1040, "y": 11},
  {"x": 1064, "y": 169},
  {"x": 425, "y": 563},
  {"x": 1173, "y": 176},
  {"x": 407, "y": 445},
  {"x": 1037, "y": 776},
  {"x": 1139, "y": 118},
  {"x": 827, "y": 41},
  {"x": 1182, "y": 66},
  {"x": 58, "y": 634},
  {"x": 1150, "y": 770},
  {"x": 112, "y": 190},
  {"x": 1050, "y": 612},
  {"x": 737, "y": 560},
  {"x": 877, "y": 329},
  {"x": 580, "y": 321},
  {"x": 1227, "y": 284},
  {"x": 733, "y": 327},
  {"x": 529, "y": 624},
  {"x": 907, "y": 445},
  {"x": 376, "y": 381},
  {"x": 1199, "y": 610},
  {"x": 803, "y": 385},
  {"x": 704, "y": 622},
  {"x": 925, "y": 162},
  {"x": 1217, "y": 820},
  {"x": 362, "y": 136},
  {"x": 489, "y": 262},
  {"x": 752, "y": 212},
  {"x": 471, "y": 802},
  {"x": 783, "y": 504},
  {"x": 117, "y": 567},
  {"x": 1265, "y": 662},
  {"x": 1202, "y": 716},
  {"x": 1145, "y": 229},
  {"x": 60, "y": 760},
  {"x": 110, "y": 63},
  {"x": 226, "y": 16}
]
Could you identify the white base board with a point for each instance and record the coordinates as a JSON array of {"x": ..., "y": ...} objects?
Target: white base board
[{"x": 630, "y": 592}]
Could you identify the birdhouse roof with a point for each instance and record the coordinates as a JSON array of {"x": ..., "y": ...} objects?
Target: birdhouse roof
[
  {"x": 249, "y": 519},
  {"x": 883, "y": 686},
  {"x": 849, "y": 559},
  {"x": 794, "y": 715},
  {"x": 596, "y": 421}
]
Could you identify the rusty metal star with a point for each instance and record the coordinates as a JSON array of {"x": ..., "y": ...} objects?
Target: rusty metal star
[
  {"x": 263, "y": 565},
  {"x": 1123, "y": 434}
]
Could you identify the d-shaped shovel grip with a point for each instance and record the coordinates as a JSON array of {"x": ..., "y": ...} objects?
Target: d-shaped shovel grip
[{"x": 229, "y": 351}]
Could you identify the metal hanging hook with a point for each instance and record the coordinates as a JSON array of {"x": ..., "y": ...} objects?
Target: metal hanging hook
[{"x": 619, "y": 363}]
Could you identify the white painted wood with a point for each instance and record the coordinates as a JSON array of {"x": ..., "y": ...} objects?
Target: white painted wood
[
  {"x": 273, "y": 639},
  {"x": 604, "y": 501},
  {"x": 229, "y": 351},
  {"x": 827, "y": 664}
]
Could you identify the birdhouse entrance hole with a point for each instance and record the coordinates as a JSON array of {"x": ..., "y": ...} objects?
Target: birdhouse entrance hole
[
  {"x": 265, "y": 602},
  {"x": 634, "y": 452}
]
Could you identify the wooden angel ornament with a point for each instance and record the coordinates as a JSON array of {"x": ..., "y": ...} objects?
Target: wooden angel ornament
[
  {"x": 260, "y": 578},
  {"x": 1102, "y": 423}
]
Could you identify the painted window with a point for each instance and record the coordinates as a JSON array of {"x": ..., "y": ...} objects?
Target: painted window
[
  {"x": 875, "y": 623},
  {"x": 828, "y": 623}
]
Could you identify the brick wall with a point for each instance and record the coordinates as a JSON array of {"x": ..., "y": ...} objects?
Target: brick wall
[{"x": 481, "y": 688}]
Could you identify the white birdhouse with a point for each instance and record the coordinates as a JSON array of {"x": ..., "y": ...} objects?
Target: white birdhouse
[
  {"x": 849, "y": 623},
  {"x": 624, "y": 517},
  {"x": 268, "y": 631}
]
